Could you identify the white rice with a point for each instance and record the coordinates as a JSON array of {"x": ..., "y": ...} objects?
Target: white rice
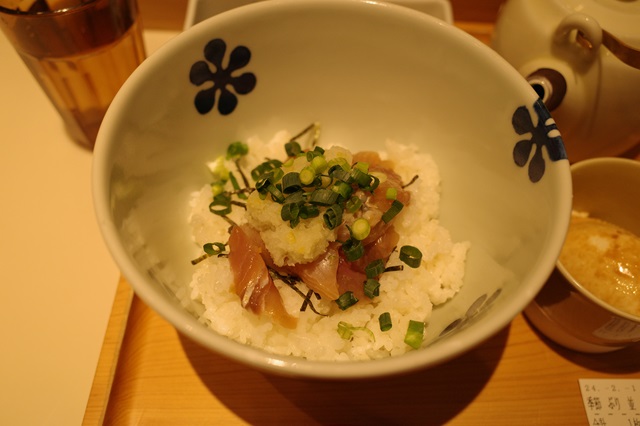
[{"x": 407, "y": 295}]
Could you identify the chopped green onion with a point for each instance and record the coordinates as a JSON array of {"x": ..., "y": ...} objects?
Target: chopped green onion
[
  {"x": 219, "y": 170},
  {"x": 345, "y": 330},
  {"x": 371, "y": 288},
  {"x": 333, "y": 216},
  {"x": 362, "y": 166},
  {"x": 374, "y": 269},
  {"x": 221, "y": 204},
  {"x": 385, "y": 321},
  {"x": 213, "y": 249},
  {"x": 308, "y": 211},
  {"x": 289, "y": 162},
  {"x": 263, "y": 184},
  {"x": 346, "y": 300},
  {"x": 290, "y": 211},
  {"x": 339, "y": 174},
  {"x": 276, "y": 174},
  {"x": 236, "y": 186},
  {"x": 237, "y": 149},
  {"x": 323, "y": 197},
  {"x": 360, "y": 229},
  {"x": 323, "y": 181},
  {"x": 276, "y": 193},
  {"x": 319, "y": 164},
  {"x": 263, "y": 168},
  {"x": 353, "y": 204},
  {"x": 415, "y": 334},
  {"x": 343, "y": 189},
  {"x": 339, "y": 161},
  {"x": 359, "y": 177},
  {"x": 353, "y": 249},
  {"x": 217, "y": 188},
  {"x": 307, "y": 175},
  {"x": 391, "y": 194},
  {"x": 395, "y": 208},
  {"x": 373, "y": 183},
  {"x": 292, "y": 148},
  {"x": 210, "y": 249},
  {"x": 410, "y": 255},
  {"x": 291, "y": 183}
]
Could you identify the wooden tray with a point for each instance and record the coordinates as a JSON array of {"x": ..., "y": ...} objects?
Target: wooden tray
[{"x": 149, "y": 374}]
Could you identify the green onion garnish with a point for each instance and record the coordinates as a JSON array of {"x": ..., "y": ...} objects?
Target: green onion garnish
[
  {"x": 276, "y": 193},
  {"x": 415, "y": 334},
  {"x": 236, "y": 150},
  {"x": 221, "y": 204},
  {"x": 374, "y": 181},
  {"x": 292, "y": 148},
  {"x": 338, "y": 161},
  {"x": 290, "y": 211},
  {"x": 345, "y": 330},
  {"x": 374, "y": 269},
  {"x": 346, "y": 300},
  {"x": 353, "y": 204},
  {"x": 308, "y": 211},
  {"x": 333, "y": 216},
  {"x": 339, "y": 174},
  {"x": 364, "y": 167},
  {"x": 359, "y": 177},
  {"x": 371, "y": 288},
  {"x": 395, "y": 208},
  {"x": 307, "y": 176},
  {"x": 410, "y": 255},
  {"x": 385, "y": 321},
  {"x": 360, "y": 229},
  {"x": 217, "y": 188},
  {"x": 343, "y": 189},
  {"x": 353, "y": 249},
  {"x": 391, "y": 194},
  {"x": 236, "y": 186},
  {"x": 291, "y": 183},
  {"x": 213, "y": 249},
  {"x": 319, "y": 164},
  {"x": 210, "y": 249},
  {"x": 323, "y": 197},
  {"x": 263, "y": 168}
]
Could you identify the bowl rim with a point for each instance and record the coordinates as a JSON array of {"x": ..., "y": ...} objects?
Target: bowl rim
[{"x": 189, "y": 326}]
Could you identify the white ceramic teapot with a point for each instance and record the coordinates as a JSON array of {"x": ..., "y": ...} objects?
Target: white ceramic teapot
[{"x": 583, "y": 58}]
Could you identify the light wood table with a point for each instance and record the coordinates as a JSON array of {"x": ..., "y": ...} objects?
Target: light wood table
[{"x": 149, "y": 374}]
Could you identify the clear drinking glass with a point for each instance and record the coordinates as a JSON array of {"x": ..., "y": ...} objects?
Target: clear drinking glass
[{"x": 79, "y": 51}]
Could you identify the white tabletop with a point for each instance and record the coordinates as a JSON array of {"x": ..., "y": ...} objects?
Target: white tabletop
[{"x": 57, "y": 278}]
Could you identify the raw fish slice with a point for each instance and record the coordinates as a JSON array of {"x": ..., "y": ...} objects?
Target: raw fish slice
[
  {"x": 320, "y": 274},
  {"x": 350, "y": 280},
  {"x": 252, "y": 281}
]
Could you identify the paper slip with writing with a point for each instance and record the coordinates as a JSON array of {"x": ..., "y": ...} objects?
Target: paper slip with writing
[{"x": 611, "y": 402}]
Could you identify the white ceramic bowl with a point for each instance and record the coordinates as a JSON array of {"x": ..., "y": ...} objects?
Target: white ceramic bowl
[{"x": 366, "y": 72}]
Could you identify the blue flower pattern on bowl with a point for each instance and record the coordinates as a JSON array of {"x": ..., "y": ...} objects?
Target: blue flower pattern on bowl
[
  {"x": 222, "y": 78},
  {"x": 541, "y": 136}
]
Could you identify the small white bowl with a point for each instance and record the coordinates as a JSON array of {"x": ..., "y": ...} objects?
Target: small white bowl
[{"x": 366, "y": 71}]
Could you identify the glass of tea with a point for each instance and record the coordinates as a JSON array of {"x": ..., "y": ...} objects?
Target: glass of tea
[{"x": 79, "y": 51}]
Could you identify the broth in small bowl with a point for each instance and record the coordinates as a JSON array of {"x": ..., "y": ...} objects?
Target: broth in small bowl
[{"x": 591, "y": 302}]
